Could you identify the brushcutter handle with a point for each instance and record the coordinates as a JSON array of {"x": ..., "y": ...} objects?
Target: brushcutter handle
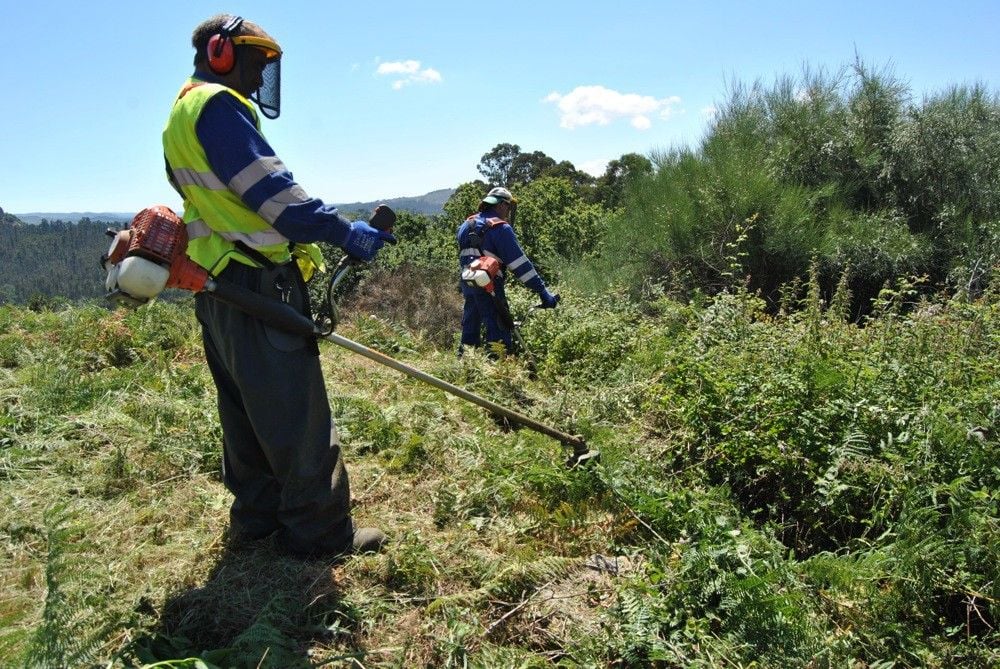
[{"x": 383, "y": 218}]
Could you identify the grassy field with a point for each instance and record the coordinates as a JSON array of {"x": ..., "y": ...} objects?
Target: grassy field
[{"x": 775, "y": 489}]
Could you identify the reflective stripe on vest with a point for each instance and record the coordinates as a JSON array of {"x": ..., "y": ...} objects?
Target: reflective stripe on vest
[
  {"x": 215, "y": 215},
  {"x": 198, "y": 229}
]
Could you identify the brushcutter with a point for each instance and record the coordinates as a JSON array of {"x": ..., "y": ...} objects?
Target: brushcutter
[{"x": 149, "y": 256}]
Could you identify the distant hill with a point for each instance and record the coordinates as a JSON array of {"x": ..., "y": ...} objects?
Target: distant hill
[
  {"x": 10, "y": 219},
  {"x": 34, "y": 218},
  {"x": 58, "y": 259},
  {"x": 429, "y": 204}
]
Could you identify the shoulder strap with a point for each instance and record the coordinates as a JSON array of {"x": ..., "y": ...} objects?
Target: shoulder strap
[
  {"x": 254, "y": 254},
  {"x": 479, "y": 224}
]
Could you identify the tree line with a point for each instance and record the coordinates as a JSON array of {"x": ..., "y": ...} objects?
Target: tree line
[
  {"x": 52, "y": 261},
  {"x": 846, "y": 173}
]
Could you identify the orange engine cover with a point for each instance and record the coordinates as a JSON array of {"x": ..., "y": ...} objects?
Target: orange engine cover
[{"x": 158, "y": 234}]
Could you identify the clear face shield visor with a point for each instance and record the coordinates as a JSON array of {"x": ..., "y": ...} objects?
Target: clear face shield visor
[
  {"x": 511, "y": 209},
  {"x": 268, "y": 95},
  {"x": 262, "y": 72}
]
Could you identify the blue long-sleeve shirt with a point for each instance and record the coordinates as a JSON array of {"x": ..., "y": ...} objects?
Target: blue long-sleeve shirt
[
  {"x": 500, "y": 242},
  {"x": 232, "y": 143}
]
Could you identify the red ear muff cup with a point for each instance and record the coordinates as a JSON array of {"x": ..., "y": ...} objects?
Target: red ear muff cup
[{"x": 221, "y": 58}]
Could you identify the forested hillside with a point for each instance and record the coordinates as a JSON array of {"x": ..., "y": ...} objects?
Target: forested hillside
[
  {"x": 783, "y": 341},
  {"x": 52, "y": 260}
]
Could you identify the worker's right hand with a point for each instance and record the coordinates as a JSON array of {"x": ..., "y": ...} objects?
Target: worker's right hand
[
  {"x": 549, "y": 301},
  {"x": 363, "y": 241}
]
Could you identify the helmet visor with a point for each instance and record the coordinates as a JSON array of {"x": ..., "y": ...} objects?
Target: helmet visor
[
  {"x": 262, "y": 72},
  {"x": 268, "y": 95}
]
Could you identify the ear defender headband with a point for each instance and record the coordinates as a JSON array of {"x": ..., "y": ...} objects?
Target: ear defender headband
[{"x": 221, "y": 52}]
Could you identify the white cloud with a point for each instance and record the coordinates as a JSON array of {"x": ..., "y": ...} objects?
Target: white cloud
[
  {"x": 709, "y": 112},
  {"x": 641, "y": 122},
  {"x": 408, "y": 72},
  {"x": 590, "y": 105},
  {"x": 595, "y": 168}
]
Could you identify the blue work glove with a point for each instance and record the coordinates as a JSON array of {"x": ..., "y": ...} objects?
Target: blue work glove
[
  {"x": 549, "y": 301},
  {"x": 363, "y": 241}
]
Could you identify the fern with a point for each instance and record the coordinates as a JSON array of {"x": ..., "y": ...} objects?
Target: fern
[
  {"x": 513, "y": 581},
  {"x": 854, "y": 447},
  {"x": 264, "y": 643},
  {"x": 67, "y": 635},
  {"x": 641, "y": 620},
  {"x": 761, "y": 614}
]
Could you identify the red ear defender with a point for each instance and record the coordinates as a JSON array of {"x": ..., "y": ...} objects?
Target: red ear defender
[
  {"x": 221, "y": 58},
  {"x": 221, "y": 53}
]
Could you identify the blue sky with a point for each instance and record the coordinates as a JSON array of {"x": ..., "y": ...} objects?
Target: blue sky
[{"x": 388, "y": 99}]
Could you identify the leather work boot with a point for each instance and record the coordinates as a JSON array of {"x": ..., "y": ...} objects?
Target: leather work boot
[{"x": 368, "y": 540}]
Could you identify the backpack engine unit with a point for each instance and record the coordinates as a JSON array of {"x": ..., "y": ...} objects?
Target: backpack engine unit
[
  {"x": 481, "y": 272},
  {"x": 148, "y": 257}
]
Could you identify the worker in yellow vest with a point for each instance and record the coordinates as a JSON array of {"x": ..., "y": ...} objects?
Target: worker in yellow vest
[{"x": 250, "y": 223}]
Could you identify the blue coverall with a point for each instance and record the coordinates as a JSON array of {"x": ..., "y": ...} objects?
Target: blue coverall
[{"x": 500, "y": 242}]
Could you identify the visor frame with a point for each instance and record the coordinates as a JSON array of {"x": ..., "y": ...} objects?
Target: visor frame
[{"x": 268, "y": 46}]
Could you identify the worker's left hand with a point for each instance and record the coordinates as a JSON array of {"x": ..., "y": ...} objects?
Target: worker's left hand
[
  {"x": 363, "y": 241},
  {"x": 549, "y": 301}
]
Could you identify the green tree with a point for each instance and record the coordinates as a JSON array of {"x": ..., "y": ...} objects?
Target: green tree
[
  {"x": 842, "y": 168},
  {"x": 497, "y": 165},
  {"x": 554, "y": 223},
  {"x": 609, "y": 189},
  {"x": 527, "y": 167},
  {"x": 506, "y": 165}
]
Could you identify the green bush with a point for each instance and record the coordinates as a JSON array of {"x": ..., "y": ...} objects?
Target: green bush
[{"x": 844, "y": 168}]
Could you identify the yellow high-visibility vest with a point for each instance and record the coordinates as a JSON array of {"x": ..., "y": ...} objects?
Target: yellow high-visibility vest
[{"x": 215, "y": 216}]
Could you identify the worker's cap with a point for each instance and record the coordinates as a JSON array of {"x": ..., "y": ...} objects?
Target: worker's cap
[{"x": 498, "y": 195}]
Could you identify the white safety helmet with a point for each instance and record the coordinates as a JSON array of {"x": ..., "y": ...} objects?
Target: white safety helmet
[{"x": 498, "y": 195}]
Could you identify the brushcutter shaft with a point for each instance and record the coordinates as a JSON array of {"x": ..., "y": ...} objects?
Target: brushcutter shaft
[
  {"x": 576, "y": 442},
  {"x": 282, "y": 316}
]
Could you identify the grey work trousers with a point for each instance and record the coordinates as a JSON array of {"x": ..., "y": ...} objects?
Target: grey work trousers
[{"x": 281, "y": 455}]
